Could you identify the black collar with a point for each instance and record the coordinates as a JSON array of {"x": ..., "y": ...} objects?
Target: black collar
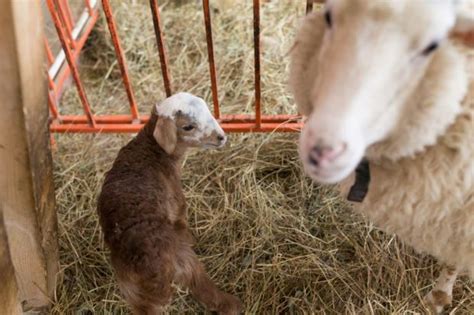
[{"x": 360, "y": 188}]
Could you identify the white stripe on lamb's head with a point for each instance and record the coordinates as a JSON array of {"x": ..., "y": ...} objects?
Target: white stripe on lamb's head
[{"x": 185, "y": 120}]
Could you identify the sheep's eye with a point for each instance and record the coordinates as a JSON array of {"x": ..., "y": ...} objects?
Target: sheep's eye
[
  {"x": 430, "y": 48},
  {"x": 188, "y": 127},
  {"x": 328, "y": 18}
]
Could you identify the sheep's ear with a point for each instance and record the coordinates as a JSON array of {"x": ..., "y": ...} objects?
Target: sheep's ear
[
  {"x": 165, "y": 134},
  {"x": 465, "y": 16}
]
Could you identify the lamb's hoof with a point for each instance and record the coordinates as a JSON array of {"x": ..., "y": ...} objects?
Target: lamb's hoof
[
  {"x": 437, "y": 300},
  {"x": 230, "y": 305}
]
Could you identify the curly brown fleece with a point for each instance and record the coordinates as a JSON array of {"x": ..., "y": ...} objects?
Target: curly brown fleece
[{"x": 142, "y": 212}]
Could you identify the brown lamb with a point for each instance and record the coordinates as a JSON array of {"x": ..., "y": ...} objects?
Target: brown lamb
[{"x": 142, "y": 210}]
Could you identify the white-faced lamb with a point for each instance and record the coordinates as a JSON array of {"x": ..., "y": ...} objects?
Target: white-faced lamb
[
  {"x": 389, "y": 97},
  {"x": 142, "y": 210}
]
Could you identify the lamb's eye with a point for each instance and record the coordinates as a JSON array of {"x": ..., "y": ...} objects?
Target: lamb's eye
[
  {"x": 188, "y": 127},
  {"x": 328, "y": 18},
  {"x": 430, "y": 48}
]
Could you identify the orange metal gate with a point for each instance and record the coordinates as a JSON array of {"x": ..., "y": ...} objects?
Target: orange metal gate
[{"x": 73, "y": 35}]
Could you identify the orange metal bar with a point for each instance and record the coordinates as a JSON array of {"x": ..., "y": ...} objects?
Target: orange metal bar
[
  {"x": 89, "y": 123},
  {"x": 68, "y": 12},
  {"x": 71, "y": 62},
  {"x": 49, "y": 53},
  {"x": 210, "y": 53},
  {"x": 52, "y": 105},
  {"x": 120, "y": 57},
  {"x": 155, "y": 12},
  {"x": 264, "y": 127},
  {"x": 242, "y": 118},
  {"x": 51, "y": 84},
  {"x": 65, "y": 72},
  {"x": 66, "y": 22},
  {"x": 256, "y": 43},
  {"x": 124, "y": 128},
  {"x": 128, "y": 119}
]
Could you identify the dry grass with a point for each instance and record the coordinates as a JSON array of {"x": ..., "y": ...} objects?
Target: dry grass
[{"x": 263, "y": 230}]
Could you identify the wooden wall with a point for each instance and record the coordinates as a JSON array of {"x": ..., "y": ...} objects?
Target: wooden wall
[{"x": 26, "y": 184}]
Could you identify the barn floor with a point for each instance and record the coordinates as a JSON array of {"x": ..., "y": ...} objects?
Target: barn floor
[{"x": 263, "y": 230}]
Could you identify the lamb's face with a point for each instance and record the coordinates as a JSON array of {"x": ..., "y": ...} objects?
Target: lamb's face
[
  {"x": 352, "y": 70},
  {"x": 187, "y": 120}
]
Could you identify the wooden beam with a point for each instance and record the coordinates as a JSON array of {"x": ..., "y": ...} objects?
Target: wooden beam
[
  {"x": 9, "y": 302},
  {"x": 26, "y": 186}
]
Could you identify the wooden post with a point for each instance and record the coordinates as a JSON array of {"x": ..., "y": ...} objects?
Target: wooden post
[
  {"x": 26, "y": 185},
  {"x": 9, "y": 302}
]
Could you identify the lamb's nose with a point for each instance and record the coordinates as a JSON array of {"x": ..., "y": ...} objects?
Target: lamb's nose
[
  {"x": 321, "y": 153},
  {"x": 221, "y": 139}
]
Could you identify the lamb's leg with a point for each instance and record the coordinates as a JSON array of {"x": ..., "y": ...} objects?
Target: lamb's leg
[
  {"x": 441, "y": 295},
  {"x": 149, "y": 309},
  {"x": 148, "y": 292},
  {"x": 191, "y": 274},
  {"x": 147, "y": 298}
]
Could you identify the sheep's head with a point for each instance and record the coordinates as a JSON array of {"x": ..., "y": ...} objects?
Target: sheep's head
[
  {"x": 184, "y": 120},
  {"x": 353, "y": 68}
]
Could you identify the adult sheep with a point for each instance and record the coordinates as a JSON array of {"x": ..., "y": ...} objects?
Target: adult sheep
[{"x": 381, "y": 82}]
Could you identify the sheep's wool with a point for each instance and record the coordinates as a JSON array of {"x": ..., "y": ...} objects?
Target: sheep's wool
[
  {"x": 422, "y": 176},
  {"x": 424, "y": 192}
]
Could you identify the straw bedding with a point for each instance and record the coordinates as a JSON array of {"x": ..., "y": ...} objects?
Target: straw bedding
[{"x": 265, "y": 232}]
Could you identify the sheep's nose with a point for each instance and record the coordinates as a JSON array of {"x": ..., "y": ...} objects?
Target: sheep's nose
[
  {"x": 220, "y": 138},
  {"x": 321, "y": 154}
]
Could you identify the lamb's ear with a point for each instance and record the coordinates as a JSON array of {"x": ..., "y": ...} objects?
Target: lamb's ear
[{"x": 165, "y": 134}]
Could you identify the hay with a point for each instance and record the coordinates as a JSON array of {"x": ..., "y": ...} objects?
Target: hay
[{"x": 263, "y": 230}]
